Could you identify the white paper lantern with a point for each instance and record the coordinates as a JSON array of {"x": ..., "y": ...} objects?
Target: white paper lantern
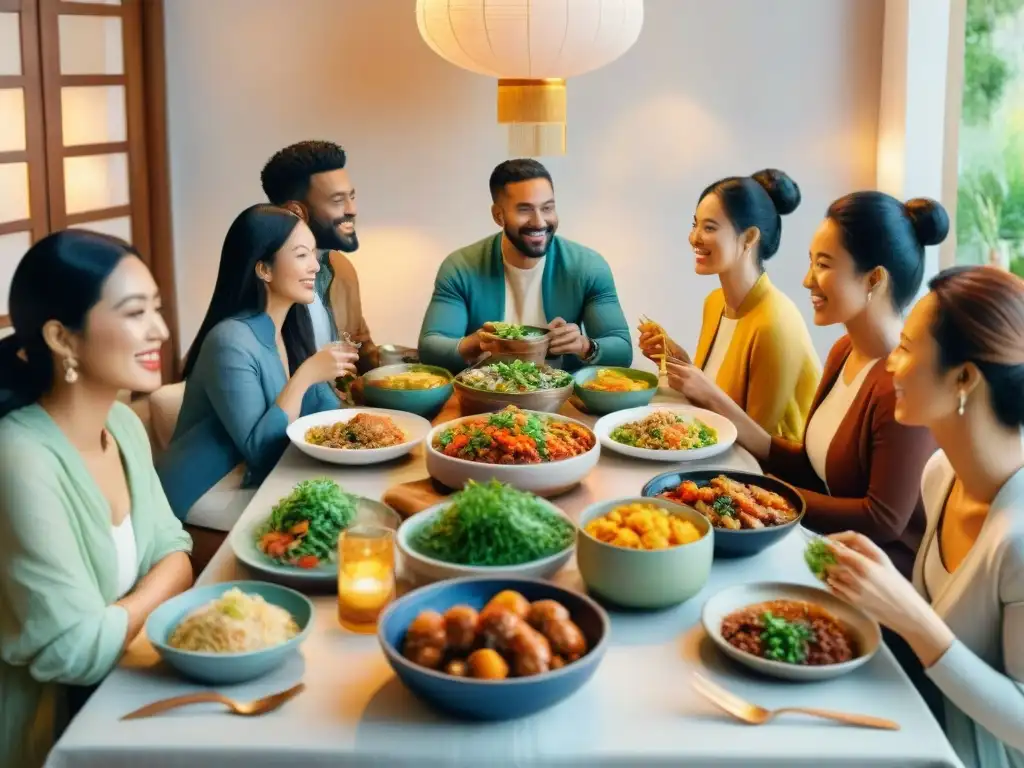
[{"x": 531, "y": 46}]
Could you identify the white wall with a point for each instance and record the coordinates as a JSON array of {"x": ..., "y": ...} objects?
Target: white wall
[{"x": 710, "y": 89}]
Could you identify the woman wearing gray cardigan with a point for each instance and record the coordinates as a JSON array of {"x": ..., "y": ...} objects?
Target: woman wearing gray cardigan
[{"x": 959, "y": 371}]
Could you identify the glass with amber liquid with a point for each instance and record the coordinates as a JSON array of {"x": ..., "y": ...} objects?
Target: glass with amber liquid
[{"x": 366, "y": 575}]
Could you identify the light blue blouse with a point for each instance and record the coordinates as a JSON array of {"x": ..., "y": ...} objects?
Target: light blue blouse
[{"x": 229, "y": 414}]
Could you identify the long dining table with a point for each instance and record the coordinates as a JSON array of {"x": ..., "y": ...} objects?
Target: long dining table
[{"x": 638, "y": 710}]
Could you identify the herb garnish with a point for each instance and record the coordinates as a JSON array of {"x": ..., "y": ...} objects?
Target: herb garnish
[
  {"x": 783, "y": 640},
  {"x": 724, "y": 506},
  {"x": 819, "y": 556}
]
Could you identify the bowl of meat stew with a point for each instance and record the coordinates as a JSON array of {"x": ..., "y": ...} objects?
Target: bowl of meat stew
[
  {"x": 749, "y": 512},
  {"x": 790, "y": 631}
]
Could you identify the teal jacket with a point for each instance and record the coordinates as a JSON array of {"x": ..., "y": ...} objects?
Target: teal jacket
[
  {"x": 470, "y": 291},
  {"x": 229, "y": 414}
]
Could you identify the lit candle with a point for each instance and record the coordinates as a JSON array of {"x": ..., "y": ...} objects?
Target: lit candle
[{"x": 366, "y": 576}]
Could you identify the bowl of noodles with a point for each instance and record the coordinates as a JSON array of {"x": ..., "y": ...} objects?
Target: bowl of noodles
[
  {"x": 231, "y": 632},
  {"x": 419, "y": 389},
  {"x": 604, "y": 389},
  {"x": 358, "y": 436}
]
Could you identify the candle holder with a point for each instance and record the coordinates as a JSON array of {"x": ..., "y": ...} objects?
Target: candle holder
[{"x": 366, "y": 576}]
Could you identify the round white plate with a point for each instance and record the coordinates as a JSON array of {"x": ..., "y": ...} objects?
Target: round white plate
[
  {"x": 415, "y": 429},
  {"x": 725, "y": 428},
  {"x": 867, "y": 632},
  {"x": 243, "y": 544}
]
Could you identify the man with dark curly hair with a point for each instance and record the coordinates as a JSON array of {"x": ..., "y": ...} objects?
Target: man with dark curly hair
[{"x": 309, "y": 179}]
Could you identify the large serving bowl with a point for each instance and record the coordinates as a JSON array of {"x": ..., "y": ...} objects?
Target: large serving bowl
[
  {"x": 545, "y": 479},
  {"x": 426, "y": 569},
  {"x": 746, "y": 542},
  {"x": 635, "y": 578},
  {"x": 609, "y": 402},
  {"x": 415, "y": 428},
  {"x": 533, "y": 349},
  {"x": 423, "y": 402},
  {"x": 475, "y": 699},
  {"x": 725, "y": 428},
  {"x": 226, "y": 668},
  {"x": 473, "y": 401},
  {"x": 866, "y": 631}
]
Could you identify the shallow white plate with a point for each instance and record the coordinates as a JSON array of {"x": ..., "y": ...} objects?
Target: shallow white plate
[
  {"x": 427, "y": 569},
  {"x": 725, "y": 428},
  {"x": 866, "y": 631},
  {"x": 415, "y": 428}
]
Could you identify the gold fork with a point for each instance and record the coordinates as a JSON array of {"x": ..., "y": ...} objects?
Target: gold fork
[
  {"x": 247, "y": 708},
  {"x": 755, "y": 715}
]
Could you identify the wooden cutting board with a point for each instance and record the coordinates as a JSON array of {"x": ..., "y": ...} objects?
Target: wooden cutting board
[{"x": 409, "y": 498}]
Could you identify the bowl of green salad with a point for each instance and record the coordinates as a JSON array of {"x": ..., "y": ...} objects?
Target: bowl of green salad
[
  {"x": 512, "y": 341},
  {"x": 487, "y": 529},
  {"x": 526, "y": 385}
]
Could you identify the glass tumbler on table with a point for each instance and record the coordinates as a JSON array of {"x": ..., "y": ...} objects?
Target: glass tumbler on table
[{"x": 366, "y": 575}]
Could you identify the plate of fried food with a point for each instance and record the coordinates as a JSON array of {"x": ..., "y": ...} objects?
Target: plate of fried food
[{"x": 358, "y": 436}]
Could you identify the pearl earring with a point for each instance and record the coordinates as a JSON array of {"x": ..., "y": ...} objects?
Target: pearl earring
[
  {"x": 963, "y": 403},
  {"x": 870, "y": 294},
  {"x": 70, "y": 370}
]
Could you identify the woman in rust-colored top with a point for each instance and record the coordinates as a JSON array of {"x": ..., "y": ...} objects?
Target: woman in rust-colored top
[{"x": 857, "y": 467}]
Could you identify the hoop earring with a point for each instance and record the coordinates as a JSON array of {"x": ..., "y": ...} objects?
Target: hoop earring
[
  {"x": 963, "y": 403},
  {"x": 70, "y": 370}
]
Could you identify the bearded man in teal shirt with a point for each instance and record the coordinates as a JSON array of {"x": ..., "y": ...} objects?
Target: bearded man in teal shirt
[{"x": 525, "y": 274}]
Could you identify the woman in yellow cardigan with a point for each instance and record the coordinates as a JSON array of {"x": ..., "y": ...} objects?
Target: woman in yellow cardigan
[{"x": 754, "y": 344}]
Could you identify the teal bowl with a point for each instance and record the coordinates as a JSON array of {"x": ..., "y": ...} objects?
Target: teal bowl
[
  {"x": 609, "y": 402},
  {"x": 423, "y": 402},
  {"x": 645, "y": 579},
  {"x": 227, "y": 668}
]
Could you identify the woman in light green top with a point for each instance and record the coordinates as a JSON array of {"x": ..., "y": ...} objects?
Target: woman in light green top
[{"x": 88, "y": 544}]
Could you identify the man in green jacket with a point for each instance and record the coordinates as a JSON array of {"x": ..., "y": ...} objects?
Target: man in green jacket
[{"x": 526, "y": 275}]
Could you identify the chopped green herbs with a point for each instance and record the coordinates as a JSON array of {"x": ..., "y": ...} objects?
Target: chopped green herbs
[
  {"x": 514, "y": 332},
  {"x": 783, "y": 640},
  {"x": 819, "y": 556}
]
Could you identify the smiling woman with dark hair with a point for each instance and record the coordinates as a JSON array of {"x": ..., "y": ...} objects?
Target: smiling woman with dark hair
[
  {"x": 88, "y": 544},
  {"x": 754, "y": 346},
  {"x": 959, "y": 371}
]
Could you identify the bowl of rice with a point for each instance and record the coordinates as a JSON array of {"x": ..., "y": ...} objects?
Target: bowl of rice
[
  {"x": 358, "y": 436},
  {"x": 231, "y": 632}
]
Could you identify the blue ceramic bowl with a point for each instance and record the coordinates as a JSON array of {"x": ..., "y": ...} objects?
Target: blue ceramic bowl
[
  {"x": 742, "y": 543},
  {"x": 227, "y": 668},
  {"x": 609, "y": 402},
  {"x": 471, "y": 699},
  {"x": 423, "y": 402}
]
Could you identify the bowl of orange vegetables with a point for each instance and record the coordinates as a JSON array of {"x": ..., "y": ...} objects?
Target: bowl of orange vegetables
[
  {"x": 606, "y": 389},
  {"x": 646, "y": 553}
]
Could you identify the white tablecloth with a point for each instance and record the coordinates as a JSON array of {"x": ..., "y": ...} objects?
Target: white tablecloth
[{"x": 638, "y": 710}]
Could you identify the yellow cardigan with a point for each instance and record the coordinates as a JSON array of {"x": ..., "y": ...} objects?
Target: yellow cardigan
[{"x": 770, "y": 369}]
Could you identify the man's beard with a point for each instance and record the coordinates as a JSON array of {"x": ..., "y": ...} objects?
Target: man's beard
[
  {"x": 329, "y": 238},
  {"x": 528, "y": 250}
]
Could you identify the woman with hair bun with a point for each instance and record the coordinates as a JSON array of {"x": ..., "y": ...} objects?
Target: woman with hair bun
[
  {"x": 754, "y": 345},
  {"x": 959, "y": 371},
  {"x": 88, "y": 543}
]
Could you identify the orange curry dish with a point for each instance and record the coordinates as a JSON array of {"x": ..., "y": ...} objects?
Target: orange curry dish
[{"x": 513, "y": 436}]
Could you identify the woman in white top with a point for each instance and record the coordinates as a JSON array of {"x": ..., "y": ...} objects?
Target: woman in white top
[{"x": 959, "y": 370}]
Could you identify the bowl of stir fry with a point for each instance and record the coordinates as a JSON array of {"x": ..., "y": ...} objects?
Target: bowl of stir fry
[
  {"x": 525, "y": 385},
  {"x": 358, "y": 436},
  {"x": 528, "y": 343},
  {"x": 666, "y": 433},
  {"x": 749, "y": 512},
  {"x": 541, "y": 453}
]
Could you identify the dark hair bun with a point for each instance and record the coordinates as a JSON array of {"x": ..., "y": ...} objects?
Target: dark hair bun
[
  {"x": 930, "y": 220},
  {"x": 783, "y": 191}
]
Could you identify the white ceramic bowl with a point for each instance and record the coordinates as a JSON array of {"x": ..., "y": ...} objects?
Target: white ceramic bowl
[
  {"x": 725, "y": 428},
  {"x": 866, "y": 631},
  {"x": 426, "y": 570},
  {"x": 549, "y": 478},
  {"x": 415, "y": 428}
]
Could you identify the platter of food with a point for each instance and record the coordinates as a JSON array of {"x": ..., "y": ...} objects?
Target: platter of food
[
  {"x": 358, "y": 436},
  {"x": 644, "y": 553},
  {"x": 525, "y": 385},
  {"x": 230, "y": 632},
  {"x": 487, "y": 529},
  {"x": 790, "y": 631},
  {"x": 542, "y": 453},
  {"x": 298, "y": 540},
  {"x": 493, "y": 649},
  {"x": 666, "y": 433},
  {"x": 415, "y": 388},
  {"x": 749, "y": 512}
]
